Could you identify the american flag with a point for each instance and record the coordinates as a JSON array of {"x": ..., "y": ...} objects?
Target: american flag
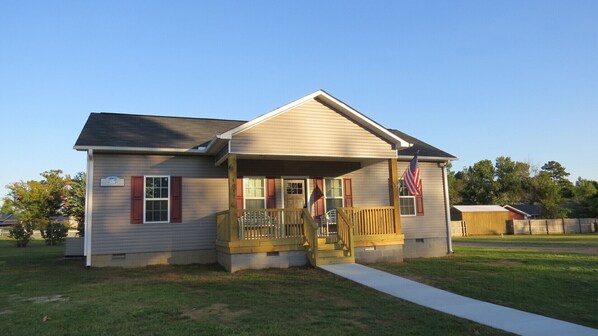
[{"x": 411, "y": 178}]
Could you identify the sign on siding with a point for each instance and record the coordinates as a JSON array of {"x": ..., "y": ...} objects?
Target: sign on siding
[{"x": 112, "y": 181}]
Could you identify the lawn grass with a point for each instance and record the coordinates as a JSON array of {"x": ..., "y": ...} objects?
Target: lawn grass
[
  {"x": 570, "y": 240},
  {"x": 42, "y": 293},
  {"x": 556, "y": 284}
]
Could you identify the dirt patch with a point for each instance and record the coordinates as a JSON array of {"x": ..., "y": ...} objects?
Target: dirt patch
[
  {"x": 218, "y": 311},
  {"x": 47, "y": 299}
]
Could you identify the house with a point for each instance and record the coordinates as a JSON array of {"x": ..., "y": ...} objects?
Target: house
[
  {"x": 481, "y": 219},
  {"x": 7, "y": 219},
  {"x": 314, "y": 181},
  {"x": 524, "y": 211}
]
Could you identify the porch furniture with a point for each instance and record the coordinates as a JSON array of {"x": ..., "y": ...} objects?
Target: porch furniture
[{"x": 257, "y": 225}]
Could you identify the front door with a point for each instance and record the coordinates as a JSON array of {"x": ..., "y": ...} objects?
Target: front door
[
  {"x": 294, "y": 194},
  {"x": 294, "y": 198}
]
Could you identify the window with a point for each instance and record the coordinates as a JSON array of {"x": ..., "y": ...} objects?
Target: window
[
  {"x": 157, "y": 199},
  {"x": 333, "y": 188},
  {"x": 406, "y": 200},
  {"x": 254, "y": 193}
]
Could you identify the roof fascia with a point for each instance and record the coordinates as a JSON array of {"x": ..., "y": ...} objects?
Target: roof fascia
[
  {"x": 198, "y": 150},
  {"x": 320, "y": 93},
  {"x": 427, "y": 158},
  {"x": 516, "y": 210}
]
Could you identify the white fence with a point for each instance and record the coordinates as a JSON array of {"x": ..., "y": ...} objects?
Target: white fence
[{"x": 552, "y": 226}]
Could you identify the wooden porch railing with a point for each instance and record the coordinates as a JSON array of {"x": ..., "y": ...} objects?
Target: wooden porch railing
[
  {"x": 310, "y": 231},
  {"x": 371, "y": 220},
  {"x": 345, "y": 231},
  {"x": 270, "y": 223}
]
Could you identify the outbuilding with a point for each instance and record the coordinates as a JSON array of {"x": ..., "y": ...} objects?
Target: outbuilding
[{"x": 481, "y": 219}]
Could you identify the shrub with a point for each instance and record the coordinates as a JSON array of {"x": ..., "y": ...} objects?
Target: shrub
[
  {"x": 54, "y": 233},
  {"x": 21, "y": 233}
]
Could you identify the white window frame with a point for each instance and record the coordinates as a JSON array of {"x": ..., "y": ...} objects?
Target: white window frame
[
  {"x": 341, "y": 197},
  {"x": 245, "y": 198},
  {"x": 406, "y": 197},
  {"x": 167, "y": 199}
]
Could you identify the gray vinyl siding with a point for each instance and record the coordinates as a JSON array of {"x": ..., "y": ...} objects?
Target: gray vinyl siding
[
  {"x": 311, "y": 129},
  {"x": 433, "y": 223},
  {"x": 370, "y": 184},
  {"x": 204, "y": 193}
]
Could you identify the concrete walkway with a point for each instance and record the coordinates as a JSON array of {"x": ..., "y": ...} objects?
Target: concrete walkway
[{"x": 500, "y": 317}]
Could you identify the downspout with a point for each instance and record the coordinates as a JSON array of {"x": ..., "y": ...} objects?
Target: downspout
[
  {"x": 88, "y": 207},
  {"x": 447, "y": 209}
]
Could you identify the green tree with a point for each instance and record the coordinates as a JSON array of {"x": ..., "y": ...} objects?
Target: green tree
[
  {"x": 586, "y": 198},
  {"x": 74, "y": 203},
  {"x": 478, "y": 183},
  {"x": 512, "y": 181},
  {"x": 559, "y": 174},
  {"x": 547, "y": 192},
  {"x": 36, "y": 202},
  {"x": 455, "y": 185}
]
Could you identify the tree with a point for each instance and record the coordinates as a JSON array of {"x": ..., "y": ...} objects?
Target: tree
[
  {"x": 455, "y": 185},
  {"x": 559, "y": 174},
  {"x": 512, "y": 181},
  {"x": 478, "y": 183},
  {"x": 586, "y": 198},
  {"x": 36, "y": 202},
  {"x": 74, "y": 202},
  {"x": 545, "y": 191}
]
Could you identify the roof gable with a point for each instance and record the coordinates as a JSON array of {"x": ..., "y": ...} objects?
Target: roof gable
[
  {"x": 334, "y": 102},
  {"x": 313, "y": 128}
]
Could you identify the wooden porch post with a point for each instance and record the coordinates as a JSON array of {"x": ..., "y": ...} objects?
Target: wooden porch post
[
  {"x": 394, "y": 193},
  {"x": 232, "y": 197}
]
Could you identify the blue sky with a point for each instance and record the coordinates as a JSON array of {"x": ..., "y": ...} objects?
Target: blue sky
[{"x": 478, "y": 79}]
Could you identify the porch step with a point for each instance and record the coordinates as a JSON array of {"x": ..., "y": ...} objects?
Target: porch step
[
  {"x": 327, "y": 240},
  {"x": 331, "y": 253},
  {"x": 334, "y": 260},
  {"x": 331, "y": 246}
]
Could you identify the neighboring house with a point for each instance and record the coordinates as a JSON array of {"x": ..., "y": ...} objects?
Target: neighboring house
[
  {"x": 481, "y": 219},
  {"x": 7, "y": 219},
  {"x": 525, "y": 211},
  {"x": 314, "y": 181}
]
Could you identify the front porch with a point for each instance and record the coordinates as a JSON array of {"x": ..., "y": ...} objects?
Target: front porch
[
  {"x": 312, "y": 228},
  {"x": 294, "y": 235}
]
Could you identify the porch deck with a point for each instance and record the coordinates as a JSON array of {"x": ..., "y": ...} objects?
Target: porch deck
[{"x": 277, "y": 230}]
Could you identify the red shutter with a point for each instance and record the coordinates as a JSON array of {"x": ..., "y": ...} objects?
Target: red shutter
[
  {"x": 319, "y": 204},
  {"x": 270, "y": 193},
  {"x": 176, "y": 199},
  {"x": 239, "y": 193},
  {"x": 136, "y": 199},
  {"x": 419, "y": 204},
  {"x": 348, "y": 193}
]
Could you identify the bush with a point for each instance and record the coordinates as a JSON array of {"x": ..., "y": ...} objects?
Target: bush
[
  {"x": 54, "y": 233},
  {"x": 21, "y": 233}
]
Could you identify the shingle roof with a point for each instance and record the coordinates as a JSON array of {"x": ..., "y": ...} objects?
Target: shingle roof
[
  {"x": 528, "y": 208},
  {"x": 424, "y": 148},
  {"x": 480, "y": 208},
  {"x": 130, "y": 130},
  {"x": 145, "y": 131}
]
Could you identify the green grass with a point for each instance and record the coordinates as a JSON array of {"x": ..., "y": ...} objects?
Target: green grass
[
  {"x": 585, "y": 240},
  {"x": 556, "y": 284},
  {"x": 43, "y": 294}
]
